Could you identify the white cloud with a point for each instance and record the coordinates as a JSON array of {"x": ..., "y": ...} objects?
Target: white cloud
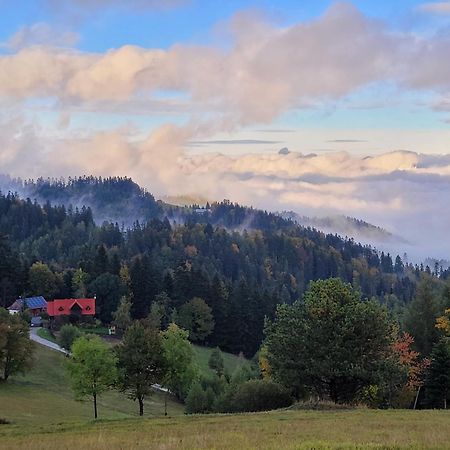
[{"x": 266, "y": 71}]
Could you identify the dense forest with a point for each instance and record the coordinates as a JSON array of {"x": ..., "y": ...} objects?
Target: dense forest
[{"x": 240, "y": 262}]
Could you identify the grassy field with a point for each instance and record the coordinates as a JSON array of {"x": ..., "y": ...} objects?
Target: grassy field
[
  {"x": 357, "y": 429},
  {"x": 43, "y": 415},
  {"x": 101, "y": 331},
  {"x": 43, "y": 396}
]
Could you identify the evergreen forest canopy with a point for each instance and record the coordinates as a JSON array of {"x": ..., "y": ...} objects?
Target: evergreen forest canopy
[{"x": 222, "y": 269}]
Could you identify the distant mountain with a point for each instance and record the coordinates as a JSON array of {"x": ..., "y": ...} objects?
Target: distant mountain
[
  {"x": 121, "y": 200},
  {"x": 112, "y": 199},
  {"x": 346, "y": 227}
]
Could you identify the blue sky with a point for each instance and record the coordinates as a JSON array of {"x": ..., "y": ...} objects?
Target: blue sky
[{"x": 192, "y": 21}]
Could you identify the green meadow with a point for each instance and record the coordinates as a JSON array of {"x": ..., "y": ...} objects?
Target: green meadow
[
  {"x": 43, "y": 414},
  {"x": 356, "y": 429}
]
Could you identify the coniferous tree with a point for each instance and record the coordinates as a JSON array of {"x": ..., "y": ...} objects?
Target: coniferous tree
[
  {"x": 108, "y": 290},
  {"x": 438, "y": 380},
  {"x": 421, "y": 314}
]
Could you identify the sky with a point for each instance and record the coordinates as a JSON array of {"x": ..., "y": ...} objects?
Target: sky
[{"x": 197, "y": 97}]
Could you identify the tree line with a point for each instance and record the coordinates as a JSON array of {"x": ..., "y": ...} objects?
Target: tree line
[
  {"x": 329, "y": 345},
  {"x": 174, "y": 259}
]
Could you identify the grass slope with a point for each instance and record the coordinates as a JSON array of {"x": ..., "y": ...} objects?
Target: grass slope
[
  {"x": 231, "y": 362},
  {"x": 357, "y": 429},
  {"x": 44, "y": 333},
  {"x": 43, "y": 396}
]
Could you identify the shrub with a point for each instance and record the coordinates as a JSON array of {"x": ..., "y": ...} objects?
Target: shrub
[
  {"x": 67, "y": 336},
  {"x": 255, "y": 395},
  {"x": 215, "y": 383},
  {"x": 324, "y": 405},
  {"x": 196, "y": 400},
  {"x": 225, "y": 401}
]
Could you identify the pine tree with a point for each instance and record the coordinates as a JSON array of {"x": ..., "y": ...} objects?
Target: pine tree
[
  {"x": 438, "y": 381},
  {"x": 101, "y": 261},
  {"x": 421, "y": 315}
]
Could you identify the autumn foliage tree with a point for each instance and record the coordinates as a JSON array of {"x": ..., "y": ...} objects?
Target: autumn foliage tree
[
  {"x": 399, "y": 376},
  {"x": 411, "y": 360}
]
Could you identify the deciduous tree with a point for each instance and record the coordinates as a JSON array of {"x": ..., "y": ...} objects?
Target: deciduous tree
[
  {"x": 122, "y": 315},
  {"x": 141, "y": 362},
  {"x": 68, "y": 334},
  {"x": 179, "y": 355},
  {"x": 196, "y": 317},
  {"x": 16, "y": 348},
  {"x": 330, "y": 343},
  {"x": 42, "y": 280},
  {"x": 92, "y": 368}
]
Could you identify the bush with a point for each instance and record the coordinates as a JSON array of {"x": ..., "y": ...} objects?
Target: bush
[
  {"x": 324, "y": 405},
  {"x": 255, "y": 395},
  {"x": 215, "y": 383},
  {"x": 67, "y": 336},
  {"x": 196, "y": 400}
]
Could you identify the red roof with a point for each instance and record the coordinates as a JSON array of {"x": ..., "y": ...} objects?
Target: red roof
[{"x": 67, "y": 306}]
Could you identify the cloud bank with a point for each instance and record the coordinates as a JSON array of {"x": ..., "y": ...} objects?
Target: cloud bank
[
  {"x": 266, "y": 71},
  {"x": 405, "y": 192}
]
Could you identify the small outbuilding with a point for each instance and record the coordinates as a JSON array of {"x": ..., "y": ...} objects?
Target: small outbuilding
[{"x": 35, "y": 305}]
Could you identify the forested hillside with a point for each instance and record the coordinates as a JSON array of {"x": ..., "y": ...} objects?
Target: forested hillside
[
  {"x": 111, "y": 199},
  {"x": 239, "y": 261}
]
